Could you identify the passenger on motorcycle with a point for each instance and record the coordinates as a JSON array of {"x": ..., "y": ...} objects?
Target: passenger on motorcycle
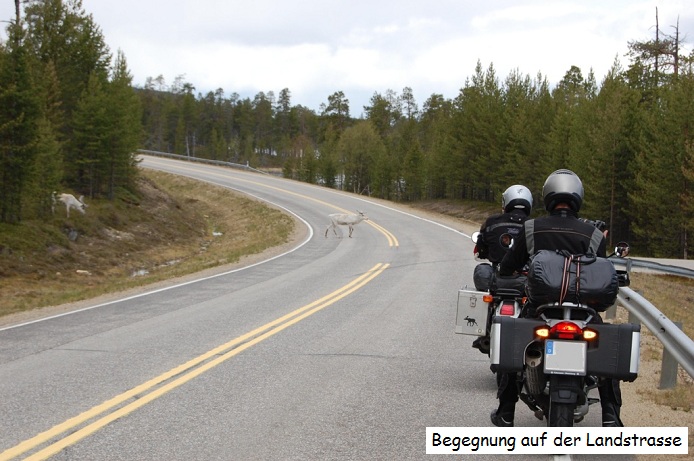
[
  {"x": 562, "y": 194},
  {"x": 495, "y": 237},
  {"x": 516, "y": 203}
]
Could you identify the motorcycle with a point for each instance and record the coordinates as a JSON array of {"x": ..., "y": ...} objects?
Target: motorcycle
[
  {"x": 503, "y": 296},
  {"x": 560, "y": 352}
]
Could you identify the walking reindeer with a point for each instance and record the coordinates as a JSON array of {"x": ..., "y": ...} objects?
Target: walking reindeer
[{"x": 345, "y": 219}]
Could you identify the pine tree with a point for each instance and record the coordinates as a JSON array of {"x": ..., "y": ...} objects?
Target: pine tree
[
  {"x": 19, "y": 124},
  {"x": 124, "y": 131},
  {"x": 435, "y": 123},
  {"x": 608, "y": 154}
]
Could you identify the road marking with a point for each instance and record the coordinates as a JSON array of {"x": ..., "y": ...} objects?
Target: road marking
[
  {"x": 392, "y": 240},
  {"x": 162, "y": 384}
]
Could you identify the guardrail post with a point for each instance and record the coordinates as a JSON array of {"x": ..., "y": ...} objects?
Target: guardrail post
[{"x": 668, "y": 370}]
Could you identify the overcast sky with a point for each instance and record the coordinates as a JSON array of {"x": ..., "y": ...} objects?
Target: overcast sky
[{"x": 318, "y": 47}]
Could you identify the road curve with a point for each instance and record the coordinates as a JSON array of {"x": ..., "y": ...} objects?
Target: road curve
[{"x": 343, "y": 348}]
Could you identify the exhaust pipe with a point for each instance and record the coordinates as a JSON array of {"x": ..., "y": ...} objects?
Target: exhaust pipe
[{"x": 535, "y": 377}]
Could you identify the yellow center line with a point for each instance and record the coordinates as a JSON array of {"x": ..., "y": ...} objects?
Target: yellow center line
[
  {"x": 392, "y": 241},
  {"x": 243, "y": 342}
]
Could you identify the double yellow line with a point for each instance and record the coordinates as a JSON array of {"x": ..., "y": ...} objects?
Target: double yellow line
[
  {"x": 392, "y": 240},
  {"x": 145, "y": 393}
]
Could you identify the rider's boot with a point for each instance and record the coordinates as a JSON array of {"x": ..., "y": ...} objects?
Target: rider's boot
[
  {"x": 610, "y": 415},
  {"x": 503, "y": 416},
  {"x": 610, "y": 401}
]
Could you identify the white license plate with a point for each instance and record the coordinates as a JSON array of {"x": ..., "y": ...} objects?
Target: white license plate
[{"x": 565, "y": 357}]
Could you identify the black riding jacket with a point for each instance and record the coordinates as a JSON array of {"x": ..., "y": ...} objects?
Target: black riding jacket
[
  {"x": 561, "y": 230},
  {"x": 489, "y": 243}
]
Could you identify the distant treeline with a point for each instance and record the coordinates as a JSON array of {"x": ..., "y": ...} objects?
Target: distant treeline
[{"x": 68, "y": 118}]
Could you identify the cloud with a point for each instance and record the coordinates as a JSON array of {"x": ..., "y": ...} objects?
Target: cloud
[{"x": 316, "y": 48}]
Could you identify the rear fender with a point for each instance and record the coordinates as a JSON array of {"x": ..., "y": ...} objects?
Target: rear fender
[{"x": 566, "y": 389}]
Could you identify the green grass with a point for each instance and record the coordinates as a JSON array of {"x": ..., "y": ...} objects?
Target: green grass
[
  {"x": 173, "y": 227},
  {"x": 674, "y": 297}
]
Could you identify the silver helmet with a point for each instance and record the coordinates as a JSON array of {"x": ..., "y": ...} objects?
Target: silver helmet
[
  {"x": 517, "y": 197},
  {"x": 563, "y": 186}
]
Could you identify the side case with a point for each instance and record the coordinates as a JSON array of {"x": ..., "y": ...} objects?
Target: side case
[
  {"x": 471, "y": 314},
  {"x": 616, "y": 353},
  {"x": 509, "y": 338}
]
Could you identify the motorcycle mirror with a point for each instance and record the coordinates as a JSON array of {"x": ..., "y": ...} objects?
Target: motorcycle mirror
[
  {"x": 476, "y": 251},
  {"x": 506, "y": 241},
  {"x": 622, "y": 249},
  {"x": 475, "y": 236}
]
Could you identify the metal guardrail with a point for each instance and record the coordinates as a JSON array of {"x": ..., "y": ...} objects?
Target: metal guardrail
[
  {"x": 674, "y": 340},
  {"x": 652, "y": 265},
  {"x": 188, "y": 158}
]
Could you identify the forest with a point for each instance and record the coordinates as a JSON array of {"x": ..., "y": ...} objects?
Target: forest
[{"x": 70, "y": 118}]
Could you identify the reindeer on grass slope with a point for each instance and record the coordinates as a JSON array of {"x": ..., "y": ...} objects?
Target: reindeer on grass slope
[
  {"x": 70, "y": 202},
  {"x": 345, "y": 219}
]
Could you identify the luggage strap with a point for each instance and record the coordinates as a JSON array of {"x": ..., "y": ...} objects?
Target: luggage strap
[{"x": 566, "y": 275}]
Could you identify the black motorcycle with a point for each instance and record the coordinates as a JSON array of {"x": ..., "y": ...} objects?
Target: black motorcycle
[{"x": 562, "y": 350}]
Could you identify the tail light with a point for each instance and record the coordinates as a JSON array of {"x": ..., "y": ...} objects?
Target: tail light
[
  {"x": 507, "y": 308},
  {"x": 566, "y": 330}
]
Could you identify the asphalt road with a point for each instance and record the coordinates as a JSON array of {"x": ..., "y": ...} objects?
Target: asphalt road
[{"x": 342, "y": 348}]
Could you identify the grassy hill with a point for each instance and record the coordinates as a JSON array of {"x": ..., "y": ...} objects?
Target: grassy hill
[{"x": 174, "y": 226}]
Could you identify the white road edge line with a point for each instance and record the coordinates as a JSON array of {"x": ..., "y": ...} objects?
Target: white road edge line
[{"x": 190, "y": 282}]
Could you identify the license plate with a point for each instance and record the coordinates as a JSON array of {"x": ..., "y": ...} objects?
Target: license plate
[{"x": 565, "y": 357}]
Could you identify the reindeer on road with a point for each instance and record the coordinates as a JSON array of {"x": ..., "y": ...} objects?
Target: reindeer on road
[{"x": 345, "y": 219}]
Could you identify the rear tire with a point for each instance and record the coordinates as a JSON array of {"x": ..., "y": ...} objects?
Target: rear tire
[{"x": 561, "y": 414}]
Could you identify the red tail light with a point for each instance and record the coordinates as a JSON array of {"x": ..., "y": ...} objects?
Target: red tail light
[
  {"x": 566, "y": 330},
  {"x": 507, "y": 309}
]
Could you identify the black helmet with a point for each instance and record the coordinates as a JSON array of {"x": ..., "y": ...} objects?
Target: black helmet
[
  {"x": 517, "y": 197},
  {"x": 563, "y": 186}
]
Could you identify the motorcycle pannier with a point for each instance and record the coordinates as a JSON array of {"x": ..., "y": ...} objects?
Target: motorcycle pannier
[
  {"x": 510, "y": 337},
  {"x": 616, "y": 352},
  {"x": 554, "y": 276},
  {"x": 471, "y": 314}
]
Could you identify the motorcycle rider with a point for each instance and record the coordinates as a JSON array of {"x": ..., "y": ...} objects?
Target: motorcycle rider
[
  {"x": 516, "y": 204},
  {"x": 494, "y": 239},
  {"x": 562, "y": 194}
]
